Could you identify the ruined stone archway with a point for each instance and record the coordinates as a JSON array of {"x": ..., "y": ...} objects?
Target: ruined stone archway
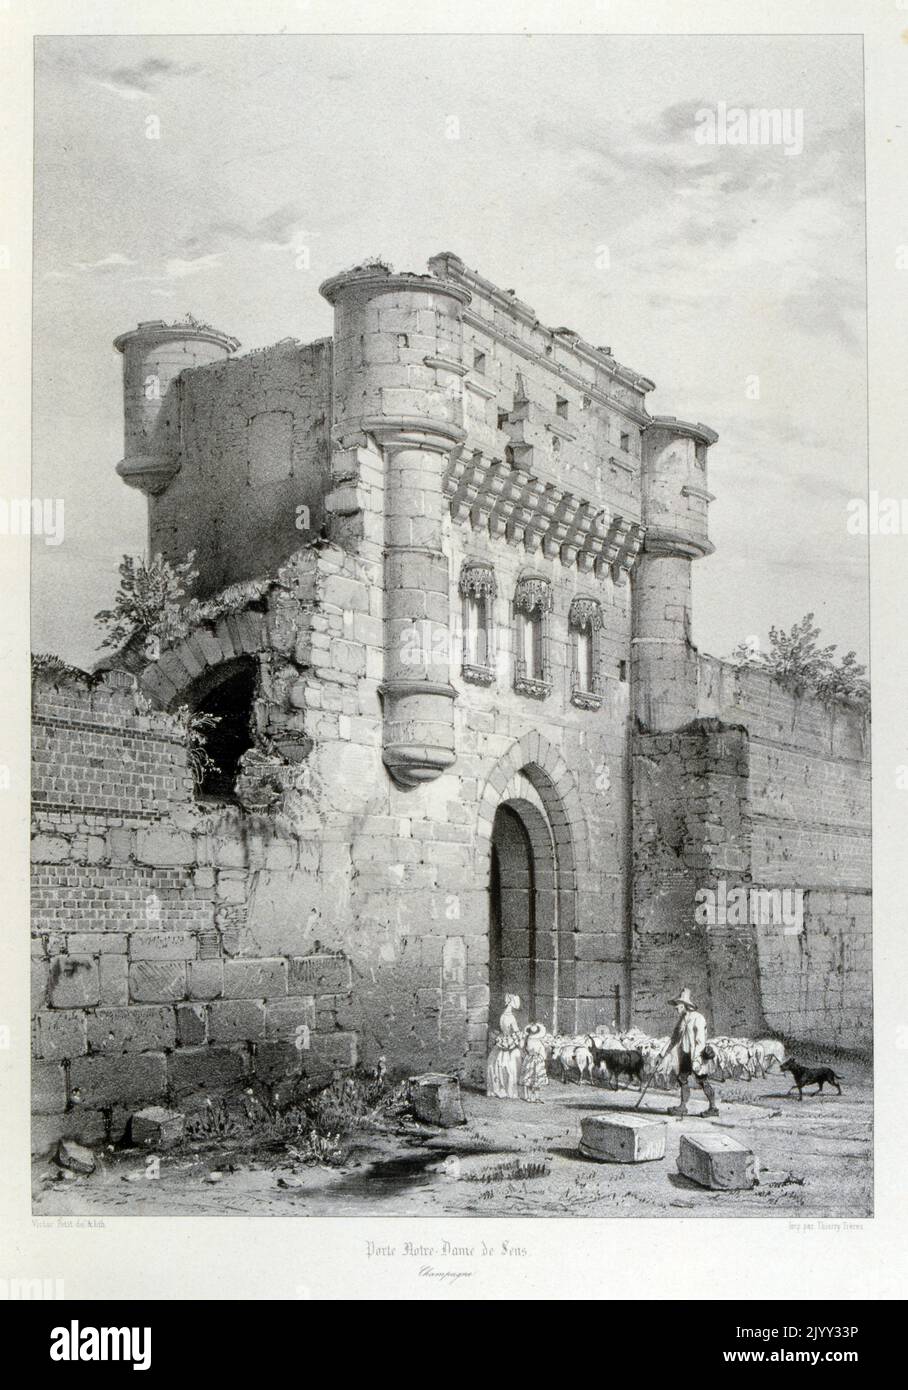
[{"x": 189, "y": 662}]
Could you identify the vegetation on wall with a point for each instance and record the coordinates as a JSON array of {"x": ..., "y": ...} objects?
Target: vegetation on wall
[
  {"x": 797, "y": 658},
  {"x": 196, "y": 727},
  {"x": 54, "y": 668},
  {"x": 148, "y": 600}
]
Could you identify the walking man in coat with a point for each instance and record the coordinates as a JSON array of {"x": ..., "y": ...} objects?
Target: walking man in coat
[{"x": 687, "y": 1041}]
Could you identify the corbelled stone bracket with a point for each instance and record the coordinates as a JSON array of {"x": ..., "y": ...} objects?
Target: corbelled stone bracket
[{"x": 490, "y": 495}]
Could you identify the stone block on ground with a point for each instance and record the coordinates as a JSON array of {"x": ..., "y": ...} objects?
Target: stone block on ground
[
  {"x": 717, "y": 1161},
  {"x": 75, "y": 1157},
  {"x": 435, "y": 1099},
  {"x": 156, "y": 1127},
  {"x": 622, "y": 1138}
]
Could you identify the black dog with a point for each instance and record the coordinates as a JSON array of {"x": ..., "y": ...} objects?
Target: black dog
[{"x": 809, "y": 1076}]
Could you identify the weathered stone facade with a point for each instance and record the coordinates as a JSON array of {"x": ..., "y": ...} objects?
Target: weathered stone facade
[{"x": 449, "y": 552}]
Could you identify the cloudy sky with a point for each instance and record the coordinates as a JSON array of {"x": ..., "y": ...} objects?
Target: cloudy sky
[{"x": 724, "y": 263}]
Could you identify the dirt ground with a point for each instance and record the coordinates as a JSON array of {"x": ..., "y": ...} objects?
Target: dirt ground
[{"x": 815, "y": 1158}]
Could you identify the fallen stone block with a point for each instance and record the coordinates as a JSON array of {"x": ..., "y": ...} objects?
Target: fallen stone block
[
  {"x": 435, "y": 1099},
  {"x": 75, "y": 1157},
  {"x": 622, "y": 1138},
  {"x": 156, "y": 1128},
  {"x": 717, "y": 1161}
]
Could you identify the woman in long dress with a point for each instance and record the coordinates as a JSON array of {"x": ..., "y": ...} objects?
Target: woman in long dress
[{"x": 503, "y": 1066}]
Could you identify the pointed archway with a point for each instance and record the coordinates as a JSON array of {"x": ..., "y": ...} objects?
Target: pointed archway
[
  {"x": 529, "y": 860},
  {"x": 523, "y": 919}
]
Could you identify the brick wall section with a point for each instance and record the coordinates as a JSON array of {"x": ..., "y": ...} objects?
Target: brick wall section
[{"x": 141, "y": 989}]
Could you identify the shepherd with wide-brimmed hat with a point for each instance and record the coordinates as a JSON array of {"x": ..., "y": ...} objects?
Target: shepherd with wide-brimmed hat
[{"x": 687, "y": 1042}]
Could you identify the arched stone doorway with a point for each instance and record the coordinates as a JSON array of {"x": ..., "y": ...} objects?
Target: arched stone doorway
[
  {"x": 533, "y": 781},
  {"x": 523, "y": 913}
]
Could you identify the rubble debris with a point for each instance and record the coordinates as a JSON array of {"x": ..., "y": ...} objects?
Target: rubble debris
[
  {"x": 75, "y": 1157},
  {"x": 778, "y": 1177}
]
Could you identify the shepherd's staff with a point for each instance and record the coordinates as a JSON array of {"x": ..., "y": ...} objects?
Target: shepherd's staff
[{"x": 659, "y": 1061}]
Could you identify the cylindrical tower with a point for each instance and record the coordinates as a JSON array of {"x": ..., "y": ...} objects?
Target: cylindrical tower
[
  {"x": 675, "y": 502},
  {"x": 398, "y": 362},
  {"x": 154, "y": 355}
]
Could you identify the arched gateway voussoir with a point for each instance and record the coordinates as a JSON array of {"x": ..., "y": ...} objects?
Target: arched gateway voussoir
[
  {"x": 543, "y": 766},
  {"x": 166, "y": 680}
]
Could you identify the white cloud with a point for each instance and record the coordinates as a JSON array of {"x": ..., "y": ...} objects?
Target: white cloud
[
  {"x": 181, "y": 268},
  {"x": 115, "y": 261},
  {"x": 124, "y": 91},
  {"x": 177, "y": 268}
]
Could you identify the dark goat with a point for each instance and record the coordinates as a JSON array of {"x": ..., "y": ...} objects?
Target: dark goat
[
  {"x": 619, "y": 1063},
  {"x": 809, "y": 1076}
]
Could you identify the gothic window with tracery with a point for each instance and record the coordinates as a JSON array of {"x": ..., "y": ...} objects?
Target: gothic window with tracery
[
  {"x": 532, "y": 607},
  {"x": 477, "y": 591},
  {"x": 585, "y": 626}
]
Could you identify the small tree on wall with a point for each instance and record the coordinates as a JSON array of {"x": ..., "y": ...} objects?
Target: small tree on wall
[
  {"x": 148, "y": 600},
  {"x": 797, "y": 658}
]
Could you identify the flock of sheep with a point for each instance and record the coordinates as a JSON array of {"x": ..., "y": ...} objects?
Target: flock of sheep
[{"x": 634, "y": 1057}]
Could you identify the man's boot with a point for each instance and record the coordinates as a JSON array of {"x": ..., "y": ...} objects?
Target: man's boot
[
  {"x": 710, "y": 1093},
  {"x": 685, "y": 1097}
]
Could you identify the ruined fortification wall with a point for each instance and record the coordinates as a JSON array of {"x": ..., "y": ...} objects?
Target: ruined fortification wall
[
  {"x": 768, "y": 790},
  {"x": 691, "y": 829},
  {"x": 254, "y": 455},
  {"x": 809, "y": 798},
  {"x": 146, "y": 983}
]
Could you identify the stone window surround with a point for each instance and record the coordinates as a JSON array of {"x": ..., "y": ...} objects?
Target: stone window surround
[
  {"x": 585, "y": 615},
  {"x": 477, "y": 582},
  {"x": 533, "y": 594}
]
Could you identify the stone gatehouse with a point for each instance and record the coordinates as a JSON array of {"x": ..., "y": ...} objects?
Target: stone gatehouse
[{"x": 464, "y": 743}]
